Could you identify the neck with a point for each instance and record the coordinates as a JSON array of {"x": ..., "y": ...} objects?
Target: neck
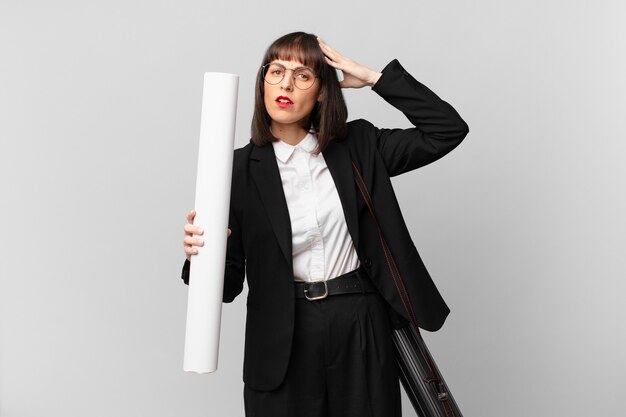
[{"x": 289, "y": 133}]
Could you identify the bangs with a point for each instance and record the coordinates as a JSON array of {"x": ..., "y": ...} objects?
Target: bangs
[{"x": 301, "y": 48}]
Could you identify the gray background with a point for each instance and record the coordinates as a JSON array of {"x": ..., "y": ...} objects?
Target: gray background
[{"x": 522, "y": 226}]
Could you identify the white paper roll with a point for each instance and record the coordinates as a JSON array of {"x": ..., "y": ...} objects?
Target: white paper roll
[{"x": 206, "y": 278}]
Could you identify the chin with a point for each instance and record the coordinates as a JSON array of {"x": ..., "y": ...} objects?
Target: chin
[{"x": 285, "y": 119}]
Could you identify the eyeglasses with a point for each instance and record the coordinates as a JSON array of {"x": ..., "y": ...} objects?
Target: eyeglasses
[{"x": 273, "y": 73}]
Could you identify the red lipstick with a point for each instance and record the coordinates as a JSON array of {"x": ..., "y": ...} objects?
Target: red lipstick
[{"x": 283, "y": 102}]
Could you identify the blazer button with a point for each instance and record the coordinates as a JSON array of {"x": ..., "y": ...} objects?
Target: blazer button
[{"x": 367, "y": 262}]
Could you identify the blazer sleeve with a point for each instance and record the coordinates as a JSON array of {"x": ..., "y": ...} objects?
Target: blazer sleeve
[
  {"x": 438, "y": 127},
  {"x": 234, "y": 271}
]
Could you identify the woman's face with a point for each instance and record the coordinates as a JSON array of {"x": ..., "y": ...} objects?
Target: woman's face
[{"x": 285, "y": 103}]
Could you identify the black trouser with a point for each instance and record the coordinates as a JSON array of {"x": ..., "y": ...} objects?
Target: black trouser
[{"x": 342, "y": 363}]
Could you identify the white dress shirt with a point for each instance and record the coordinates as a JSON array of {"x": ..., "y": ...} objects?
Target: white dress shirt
[{"x": 322, "y": 247}]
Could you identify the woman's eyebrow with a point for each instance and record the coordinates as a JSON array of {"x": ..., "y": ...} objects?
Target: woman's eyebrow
[{"x": 296, "y": 68}]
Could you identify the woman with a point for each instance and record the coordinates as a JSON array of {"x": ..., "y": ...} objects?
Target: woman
[{"x": 322, "y": 296}]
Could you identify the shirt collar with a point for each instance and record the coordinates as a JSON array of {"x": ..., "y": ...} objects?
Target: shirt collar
[{"x": 283, "y": 150}]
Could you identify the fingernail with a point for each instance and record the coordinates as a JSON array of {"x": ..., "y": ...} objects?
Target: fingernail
[
  {"x": 200, "y": 242},
  {"x": 200, "y": 230}
]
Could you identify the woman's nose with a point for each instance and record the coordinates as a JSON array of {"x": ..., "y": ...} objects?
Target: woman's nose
[{"x": 287, "y": 82}]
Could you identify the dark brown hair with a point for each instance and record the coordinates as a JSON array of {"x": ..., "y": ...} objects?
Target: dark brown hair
[{"x": 328, "y": 117}]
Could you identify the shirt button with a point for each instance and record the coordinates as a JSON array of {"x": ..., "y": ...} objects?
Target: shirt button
[{"x": 367, "y": 262}]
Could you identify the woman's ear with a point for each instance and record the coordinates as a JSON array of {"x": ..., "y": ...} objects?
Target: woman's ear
[{"x": 320, "y": 96}]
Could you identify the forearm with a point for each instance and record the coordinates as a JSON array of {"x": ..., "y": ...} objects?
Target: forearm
[
  {"x": 437, "y": 130},
  {"x": 424, "y": 109}
]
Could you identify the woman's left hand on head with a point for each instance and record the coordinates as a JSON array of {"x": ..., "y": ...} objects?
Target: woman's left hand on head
[{"x": 355, "y": 75}]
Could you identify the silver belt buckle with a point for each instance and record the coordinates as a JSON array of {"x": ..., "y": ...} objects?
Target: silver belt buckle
[{"x": 319, "y": 297}]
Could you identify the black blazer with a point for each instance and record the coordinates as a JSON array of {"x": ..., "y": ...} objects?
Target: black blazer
[{"x": 259, "y": 246}]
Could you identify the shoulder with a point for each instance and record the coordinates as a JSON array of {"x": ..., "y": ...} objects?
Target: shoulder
[
  {"x": 242, "y": 154},
  {"x": 244, "y": 149},
  {"x": 358, "y": 124},
  {"x": 241, "y": 157},
  {"x": 361, "y": 134}
]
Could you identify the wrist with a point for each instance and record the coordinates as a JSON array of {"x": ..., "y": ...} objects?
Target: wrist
[{"x": 374, "y": 78}]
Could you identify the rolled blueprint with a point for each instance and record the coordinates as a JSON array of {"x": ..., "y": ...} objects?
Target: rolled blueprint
[{"x": 206, "y": 275}]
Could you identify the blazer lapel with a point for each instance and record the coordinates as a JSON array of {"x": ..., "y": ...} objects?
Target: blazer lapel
[
  {"x": 266, "y": 176},
  {"x": 339, "y": 164}
]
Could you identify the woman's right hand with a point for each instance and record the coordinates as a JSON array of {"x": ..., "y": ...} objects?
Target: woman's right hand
[{"x": 190, "y": 241}]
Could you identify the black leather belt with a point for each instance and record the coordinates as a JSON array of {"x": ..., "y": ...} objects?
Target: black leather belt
[{"x": 356, "y": 281}]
